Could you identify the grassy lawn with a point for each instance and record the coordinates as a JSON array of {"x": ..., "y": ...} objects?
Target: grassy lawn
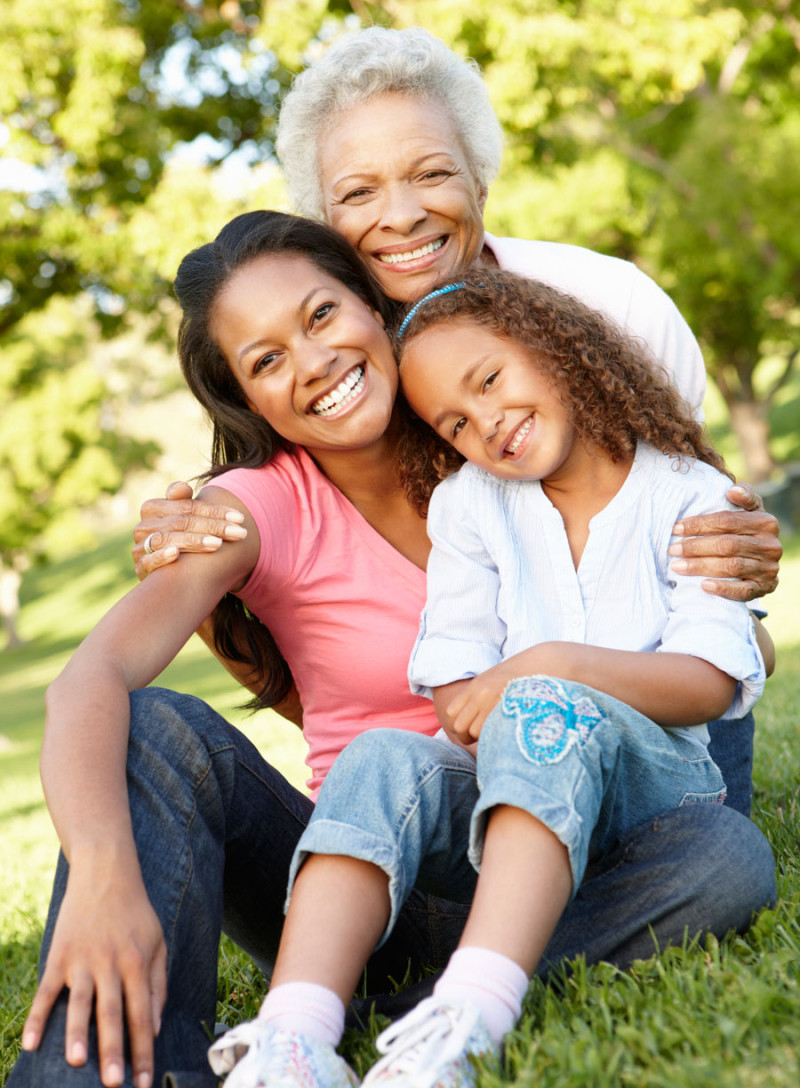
[{"x": 723, "y": 1014}]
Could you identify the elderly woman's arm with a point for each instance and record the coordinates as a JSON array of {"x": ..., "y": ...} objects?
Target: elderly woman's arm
[{"x": 736, "y": 552}]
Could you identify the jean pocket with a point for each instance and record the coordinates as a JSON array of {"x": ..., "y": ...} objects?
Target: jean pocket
[{"x": 715, "y": 797}]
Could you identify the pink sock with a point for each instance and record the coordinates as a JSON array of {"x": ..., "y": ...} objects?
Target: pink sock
[
  {"x": 490, "y": 981},
  {"x": 306, "y": 1008}
]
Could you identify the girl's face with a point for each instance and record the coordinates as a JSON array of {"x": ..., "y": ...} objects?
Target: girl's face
[
  {"x": 485, "y": 395},
  {"x": 397, "y": 185},
  {"x": 311, "y": 357}
]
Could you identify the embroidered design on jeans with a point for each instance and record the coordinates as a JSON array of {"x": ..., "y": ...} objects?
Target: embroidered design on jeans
[{"x": 549, "y": 722}]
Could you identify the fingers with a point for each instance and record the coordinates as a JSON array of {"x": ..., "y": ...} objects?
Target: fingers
[
  {"x": 139, "y": 1006},
  {"x": 46, "y": 995},
  {"x": 144, "y": 564},
  {"x": 743, "y": 495},
  {"x": 188, "y": 515},
  {"x": 179, "y": 490},
  {"x": 79, "y": 1013},
  {"x": 753, "y": 561},
  {"x": 736, "y": 591},
  {"x": 751, "y": 523}
]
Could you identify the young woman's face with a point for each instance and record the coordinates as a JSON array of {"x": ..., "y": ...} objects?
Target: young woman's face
[
  {"x": 485, "y": 395},
  {"x": 311, "y": 357},
  {"x": 396, "y": 184}
]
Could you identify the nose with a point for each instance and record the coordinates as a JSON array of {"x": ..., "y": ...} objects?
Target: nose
[
  {"x": 314, "y": 360},
  {"x": 401, "y": 210},
  {"x": 487, "y": 422}
]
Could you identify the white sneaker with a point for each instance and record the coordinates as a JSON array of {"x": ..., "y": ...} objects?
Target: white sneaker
[
  {"x": 431, "y": 1047},
  {"x": 256, "y": 1054}
]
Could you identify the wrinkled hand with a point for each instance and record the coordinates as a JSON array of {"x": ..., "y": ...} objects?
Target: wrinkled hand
[
  {"x": 181, "y": 524},
  {"x": 741, "y": 545},
  {"x": 108, "y": 948}
]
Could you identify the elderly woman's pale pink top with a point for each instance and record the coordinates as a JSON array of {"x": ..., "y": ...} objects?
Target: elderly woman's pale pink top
[{"x": 342, "y": 604}]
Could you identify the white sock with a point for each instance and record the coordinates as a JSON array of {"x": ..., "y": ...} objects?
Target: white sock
[
  {"x": 488, "y": 980},
  {"x": 306, "y": 1008}
]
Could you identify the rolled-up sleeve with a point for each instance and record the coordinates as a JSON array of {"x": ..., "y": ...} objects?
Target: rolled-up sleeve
[
  {"x": 717, "y": 630},
  {"x": 460, "y": 633}
]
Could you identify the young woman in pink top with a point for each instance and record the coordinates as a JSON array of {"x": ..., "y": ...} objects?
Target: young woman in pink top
[{"x": 172, "y": 825}]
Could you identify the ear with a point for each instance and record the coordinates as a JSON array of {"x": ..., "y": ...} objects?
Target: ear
[{"x": 379, "y": 318}]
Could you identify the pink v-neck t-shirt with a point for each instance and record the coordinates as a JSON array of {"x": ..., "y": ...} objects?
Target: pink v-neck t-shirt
[{"x": 342, "y": 604}]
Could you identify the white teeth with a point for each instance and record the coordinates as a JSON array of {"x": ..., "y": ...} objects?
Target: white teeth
[
  {"x": 514, "y": 445},
  {"x": 348, "y": 389},
  {"x": 411, "y": 255}
]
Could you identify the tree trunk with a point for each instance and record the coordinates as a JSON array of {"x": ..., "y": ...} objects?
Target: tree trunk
[{"x": 751, "y": 427}]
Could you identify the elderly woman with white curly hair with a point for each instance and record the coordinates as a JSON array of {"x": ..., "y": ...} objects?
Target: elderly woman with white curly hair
[{"x": 390, "y": 138}]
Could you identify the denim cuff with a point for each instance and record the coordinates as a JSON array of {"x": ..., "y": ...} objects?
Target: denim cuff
[
  {"x": 561, "y": 819},
  {"x": 324, "y": 836}
]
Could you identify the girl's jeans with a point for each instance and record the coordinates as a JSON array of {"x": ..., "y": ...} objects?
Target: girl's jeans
[
  {"x": 586, "y": 765},
  {"x": 216, "y": 828}
]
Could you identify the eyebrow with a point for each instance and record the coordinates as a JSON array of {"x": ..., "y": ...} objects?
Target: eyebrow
[
  {"x": 366, "y": 175},
  {"x": 466, "y": 378},
  {"x": 263, "y": 340}
]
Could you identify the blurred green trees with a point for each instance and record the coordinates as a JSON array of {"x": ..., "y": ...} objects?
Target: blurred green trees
[{"x": 663, "y": 131}]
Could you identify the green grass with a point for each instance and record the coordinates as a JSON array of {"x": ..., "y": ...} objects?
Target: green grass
[{"x": 710, "y": 1013}]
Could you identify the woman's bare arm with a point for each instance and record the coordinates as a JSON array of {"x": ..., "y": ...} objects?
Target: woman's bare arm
[
  {"x": 107, "y": 946},
  {"x": 180, "y": 523}
]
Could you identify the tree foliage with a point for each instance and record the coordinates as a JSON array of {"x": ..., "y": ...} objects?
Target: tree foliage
[{"x": 663, "y": 131}]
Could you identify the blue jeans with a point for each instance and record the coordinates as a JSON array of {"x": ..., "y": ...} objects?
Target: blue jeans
[
  {"x": 586, "y": 765},
  {"x": 216, "y": 828}
]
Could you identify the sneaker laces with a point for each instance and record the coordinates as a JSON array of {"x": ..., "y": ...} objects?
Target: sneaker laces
[
  {"x": 430, "y": 1036},
  {"x": 231, "y": 1047}
]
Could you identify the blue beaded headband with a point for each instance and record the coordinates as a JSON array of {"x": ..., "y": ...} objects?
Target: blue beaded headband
[{"x": 434, "y": 294}]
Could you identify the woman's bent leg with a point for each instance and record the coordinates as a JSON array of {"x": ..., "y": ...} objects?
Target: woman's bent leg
[
  {"x": 692, "y": 870},
  {"x": 215, "y": 828},
  {"x": 731, "y": 748}
]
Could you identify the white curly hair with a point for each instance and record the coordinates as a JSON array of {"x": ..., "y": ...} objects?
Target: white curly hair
[{"x": 377, "y": 61}]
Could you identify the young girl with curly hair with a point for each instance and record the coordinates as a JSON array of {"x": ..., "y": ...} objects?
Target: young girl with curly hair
[{"x": 554, "y": 634}]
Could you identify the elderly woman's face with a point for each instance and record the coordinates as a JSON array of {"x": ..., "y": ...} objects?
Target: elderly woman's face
[{"x": 396, "y": 184}]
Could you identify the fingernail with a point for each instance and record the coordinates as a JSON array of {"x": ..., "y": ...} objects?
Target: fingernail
[
  {"x": 235, "y": 532},
  {"x": 29, "y": 1040},
  {"x": 234, "y": 515},
  {"x": 114, "y": 1072},
  {"x": 170, "y": 551},
  {"x": 677, "y": 528},
  {"x": 77, "y": 1053},
  {"x": 142, "y": 1080},
  {"x": 679, "y": 565},
  {"x": 739, "y": 488},
  {"x": 212, "y": 541}
]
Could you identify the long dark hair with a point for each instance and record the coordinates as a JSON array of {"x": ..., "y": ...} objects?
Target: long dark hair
[
  {"x": 240, "y": 437},
  {"x": 617, "y": 392}
]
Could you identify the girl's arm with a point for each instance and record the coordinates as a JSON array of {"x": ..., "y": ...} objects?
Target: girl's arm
[
  {"x": 671, "y": 689},
  {"x": 107, "y": 945}
]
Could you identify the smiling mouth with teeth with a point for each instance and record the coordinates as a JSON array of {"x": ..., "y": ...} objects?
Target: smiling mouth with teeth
[
  {"x": 516, "y": 441},
  {"x": 346, "y": 391},
  {"x": 412, "y": 254}
]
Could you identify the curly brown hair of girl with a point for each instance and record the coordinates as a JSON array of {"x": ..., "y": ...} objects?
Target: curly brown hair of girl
[{"x": 618, "y": 393}]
